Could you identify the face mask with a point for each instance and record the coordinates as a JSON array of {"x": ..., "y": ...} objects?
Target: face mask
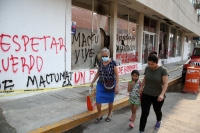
[{"x": 105, "y": 58}]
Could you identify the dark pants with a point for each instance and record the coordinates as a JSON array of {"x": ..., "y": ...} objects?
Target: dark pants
[{"x": 145, "y": 105}]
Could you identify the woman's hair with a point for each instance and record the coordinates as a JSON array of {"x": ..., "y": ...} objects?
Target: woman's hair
[
  {"x": 153, "y": 57},
  {"x": 136, "y": 72},
  {"x": 105, "y": 50}
]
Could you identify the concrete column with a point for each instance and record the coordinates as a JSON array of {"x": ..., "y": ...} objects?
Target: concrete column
[
  {"x": 176, "y": 43},
  {"x": 113, "y": 29},
  {"x": 157, "y": 41},
  {"x": 169, "y": 31},
  {"x": 140, "y": 36},
  {"x": 182, "y": 44}
]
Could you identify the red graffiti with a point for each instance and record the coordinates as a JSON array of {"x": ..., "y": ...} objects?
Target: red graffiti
[
  {"x": 127, "y": 69},
  {"x": 4, "y": 46},
  {"x": 79, "y": 77},
  {"x": 30, "y": 43},
  {"x": 13, "y": 58},
  {"x": 121, "y": 70},
  {"x": 127, "y": 57},
  {"x": 5, "y": 69},
  {"x": 22, "y": 62},
  {"x": 92, "y": 73},
  {"x": 19, "y": 47},
  {"x": 34, "y": 43}
]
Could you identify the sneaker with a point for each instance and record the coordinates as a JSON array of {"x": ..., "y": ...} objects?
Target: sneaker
[
  {"x": 140, "y": 132},
  {"x": 130, "y": 118},
  {"x": 131, "y": 125},
  {"x": 158, "y": 124}
]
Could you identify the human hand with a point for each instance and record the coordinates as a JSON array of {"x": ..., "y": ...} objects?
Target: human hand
[
  {"x": 160, "y": 98},
  {"x": 116, "y": 90},
  {"x": 133, "y": 82},
  {"x": 91, "y": 85},
  {"x": 141, "y": 90}
]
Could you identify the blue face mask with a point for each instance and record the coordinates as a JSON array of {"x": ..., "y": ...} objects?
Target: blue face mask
[{"x": 105, "y": 58}]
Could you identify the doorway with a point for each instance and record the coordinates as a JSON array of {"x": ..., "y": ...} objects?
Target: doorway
[{"x": 148, "y": 45}]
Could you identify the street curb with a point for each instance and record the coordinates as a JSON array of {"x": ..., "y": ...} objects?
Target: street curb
[{"x": 79, "y": 119}]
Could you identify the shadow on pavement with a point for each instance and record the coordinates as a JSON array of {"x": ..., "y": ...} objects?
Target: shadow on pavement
[{"x": 4, "y": 126}]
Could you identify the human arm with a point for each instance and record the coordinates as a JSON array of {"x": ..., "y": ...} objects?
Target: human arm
[
  {"x": 94, "y": 79},
  {"x": 130, "y": 86},
  {"x": 117, "y": 79},
  {"x": 142, "y": 85},
  {"x": 164, "y": 88}
]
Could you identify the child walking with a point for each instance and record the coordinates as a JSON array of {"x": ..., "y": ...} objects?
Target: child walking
[{"x": 134, "y": 97}]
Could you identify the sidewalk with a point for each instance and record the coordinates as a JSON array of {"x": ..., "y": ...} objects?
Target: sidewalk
[{"x": 22, "y": 114}]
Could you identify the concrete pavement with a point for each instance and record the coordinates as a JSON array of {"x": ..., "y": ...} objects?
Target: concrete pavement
[{"x": 23, "y": 114}]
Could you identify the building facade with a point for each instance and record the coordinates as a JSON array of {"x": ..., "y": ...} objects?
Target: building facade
[{"x": 57, "y": 43}]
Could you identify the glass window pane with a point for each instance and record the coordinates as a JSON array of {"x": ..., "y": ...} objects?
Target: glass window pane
[
  {"x": 122, "y": 41},
  {"x": 172, "y": 46},
  {"x": 81, "y": 52},
  {"x": 146, "y": 23},
  {"x": 86, "y": 4},
  {"x": 122, "y": 12},
  {"x": 132, "y": 43},
  {"x": 133, "y": 16},
  {"x": 101, "y": 8},
  {"x": 163, "y": 44}
]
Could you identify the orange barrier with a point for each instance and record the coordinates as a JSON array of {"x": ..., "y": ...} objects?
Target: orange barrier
[{"x": 192, "y": 80}]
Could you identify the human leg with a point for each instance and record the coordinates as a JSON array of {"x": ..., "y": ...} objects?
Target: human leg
[
  {"x": 157, "y": 109},
  {"x": 145, "y": 106},
  {"x": 133, "y": 108},
  {"x": 99, "y": 116},
  {"x": 110, "y": 106}
]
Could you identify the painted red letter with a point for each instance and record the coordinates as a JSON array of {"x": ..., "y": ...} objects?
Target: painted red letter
[
  {"x": 14, "y": 63},
  {"x": 33, "y": 44},
  {"x": 26, "y": 40},
  {"x": 19, "y": 47},
  {"x": 2, "y": 44},
  {"x": 54, "y": 43}
]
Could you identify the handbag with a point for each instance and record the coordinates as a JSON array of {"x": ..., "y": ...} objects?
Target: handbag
[
  {"x": 109, "y": 85},
  {"x": 91, "y": 99}
]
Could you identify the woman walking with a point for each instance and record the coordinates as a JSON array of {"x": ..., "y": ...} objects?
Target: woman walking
[
  {"x": 107, "y": 71},
  {"x": 153, "y": 88}
]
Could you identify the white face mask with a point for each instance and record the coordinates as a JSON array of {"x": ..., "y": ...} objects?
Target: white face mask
[{"x": 105, "y": 59}]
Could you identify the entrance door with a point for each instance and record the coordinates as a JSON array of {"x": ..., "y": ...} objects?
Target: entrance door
[{"x": 148, "y": 45}]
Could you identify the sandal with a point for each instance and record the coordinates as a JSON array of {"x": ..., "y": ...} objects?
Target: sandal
[
  {"x": 97, "y": 120},
  {"x": 108, "y": 119}
]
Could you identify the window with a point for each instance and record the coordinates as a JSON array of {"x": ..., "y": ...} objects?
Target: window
[
  {"x": 92, "y": 33},
  {"x": 126, "y": 49},
  {"x": 178, "y": 45},
  {"x": 163, "y": 44},
  {"x": 172, "y": 47},
  {"x": 149, "y": 24},
  {"x": 197, "y": 52}
]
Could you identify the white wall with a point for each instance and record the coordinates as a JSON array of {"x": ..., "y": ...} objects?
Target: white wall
[{"x": 24, "y": 25}]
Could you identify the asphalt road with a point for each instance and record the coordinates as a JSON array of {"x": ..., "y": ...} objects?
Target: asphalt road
[{"x": 181, "y": 114}]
